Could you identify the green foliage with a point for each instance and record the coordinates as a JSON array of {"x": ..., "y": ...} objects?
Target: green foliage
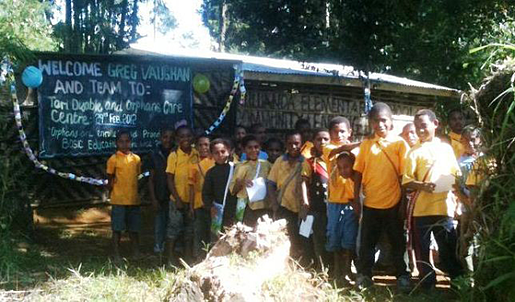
[
  {"x": 24, "y": 27},
  {"x": 495, "y": 210},
  {"x": 425, "y": 40}
]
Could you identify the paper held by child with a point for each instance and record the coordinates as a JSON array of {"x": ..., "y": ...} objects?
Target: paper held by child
[
  {"x": 306, "y": 226},
  {"x": 257, "y": 191},
  {"x": 444, "y": 183}
]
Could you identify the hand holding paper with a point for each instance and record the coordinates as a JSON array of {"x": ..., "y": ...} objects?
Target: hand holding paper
[{"x": 257, "y": 191}]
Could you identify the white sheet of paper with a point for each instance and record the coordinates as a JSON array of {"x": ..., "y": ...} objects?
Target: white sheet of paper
[
  {"x": 258, "y": 190},
  {"x": 444, "y": 183},
  {"x": 306, "y": 226}
]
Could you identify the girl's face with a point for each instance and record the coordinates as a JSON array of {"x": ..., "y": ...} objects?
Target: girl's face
[
  {"x": 166, "y": 139},
  {"x": 240, "y": 133},
  {"x": 471, "y": 143},
  {"x": 340, "y": 133},
  {"x": 345, "y": 165},
  {"x": 381, "y": 123},
  {"x": 274, "y": 151},
  {"x": 220, "y": 153},
  {"x": 203, "y": 147},
  {"x": 252, "y": 150},
  {"x": 320, "y": 140},
  {"x": 184, "y": 139}
]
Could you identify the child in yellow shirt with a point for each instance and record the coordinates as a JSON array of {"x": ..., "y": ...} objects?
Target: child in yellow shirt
[
  {"x": 123, "y": 169},
  {"x": 456, "y": 121},
  {"x": 304, "y": 128},
  {"x": 202, "y": 216},
  {"x": 284, "y": 188},
  {"x": 342, "y": 222},
  {"x": 434, "y": 207},
  {"x": 246, "y": 172},
  {"x": 178, "y": 167},
  {"x": 378, "y": 167}
]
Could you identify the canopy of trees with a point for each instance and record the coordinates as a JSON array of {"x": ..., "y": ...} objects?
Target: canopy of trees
[{"x": 428, "y": 40}]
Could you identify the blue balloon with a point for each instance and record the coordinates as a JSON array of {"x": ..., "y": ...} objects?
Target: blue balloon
[{"x": 32, "y": 77}]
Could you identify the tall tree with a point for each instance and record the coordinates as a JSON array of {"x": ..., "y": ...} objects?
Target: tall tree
[{"x": 104, "y": 26}]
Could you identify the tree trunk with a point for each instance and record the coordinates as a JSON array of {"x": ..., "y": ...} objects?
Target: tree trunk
[
  {"x": 68, "y": 22},
  {"x": 222, "y": 26}
]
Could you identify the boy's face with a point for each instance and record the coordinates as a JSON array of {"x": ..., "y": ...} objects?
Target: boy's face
[
  {"x": 260, "y": 134},
  {"x": 123, "y": 143},
  {"x": 425, "y": 128},
  {"x": 456, "y": 121},
  {"x": 252, "y": 150},
  {"x": 166, "y": 139},
  {"x": 274, "y": 151},
  {"x": 220, "y": 154},
  {"x": 320, "y": 140},
  {"x": 203, "y": 146},
  {"x": 471, "y": 143},
  {"x": 381, "y": 123},
  {"x": 409, "y": 134},
  {"x": 293, "y": 145},
  {"x": 240, "y": 133},
  {"x": 184, "y": 138},
  {"x": 340, "y": 133},
  {"x": 345, "y": 165}
]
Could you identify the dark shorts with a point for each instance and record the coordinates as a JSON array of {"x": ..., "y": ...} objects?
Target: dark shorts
[
  {"x": 125, "y": 218},
  {"x": 342, "y": 227},
  {"x": 179, "y": 223}
]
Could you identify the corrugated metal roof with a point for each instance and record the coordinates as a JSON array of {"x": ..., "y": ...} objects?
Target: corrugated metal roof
[{"x": 265, "y": 65}]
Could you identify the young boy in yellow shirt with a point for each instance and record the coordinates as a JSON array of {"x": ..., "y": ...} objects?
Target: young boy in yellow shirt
[
  {"x": 202, "y": 217},
  {"x": 284, "y": 188},
  {"x": 342, "y": 223},
  {"x": 178, "y": 168},
  {"x": 434, "y": 207},
  {"x": 123, "y": 169},
  {"x": 378, "y": 167},
  {"x": 246, "y": 172}
]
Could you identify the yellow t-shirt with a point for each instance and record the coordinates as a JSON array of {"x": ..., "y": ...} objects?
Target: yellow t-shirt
[
  {"x": 306, "y": 149},
  {"x": 196, "y": 178},
  {"x": 125, "y": 168},
  {"x": 438, "y": 158},
  {"x": 281, "y": 171},
  {"x": 338, "y": 187},
  {"x": 456, "y": 144},
  {"x": 247, "y": 170},
  {"x": 380, "y": 179},
  {"x": 179, "y": 164},
  {"x": 342, "y": 189}
]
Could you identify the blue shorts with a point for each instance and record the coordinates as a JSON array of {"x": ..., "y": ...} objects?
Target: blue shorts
[
  {"x": 125, "y": 218},
  {"x": 342, "y": 227}
]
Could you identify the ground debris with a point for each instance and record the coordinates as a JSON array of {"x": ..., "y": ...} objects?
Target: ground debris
[{"x": 245, "y": 264}]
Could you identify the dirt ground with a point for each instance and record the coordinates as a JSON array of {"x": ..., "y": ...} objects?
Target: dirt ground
[{"x": 82, "y": 237}]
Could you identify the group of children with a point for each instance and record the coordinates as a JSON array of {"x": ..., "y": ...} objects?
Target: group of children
[{"x": 354, "y": 191}]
